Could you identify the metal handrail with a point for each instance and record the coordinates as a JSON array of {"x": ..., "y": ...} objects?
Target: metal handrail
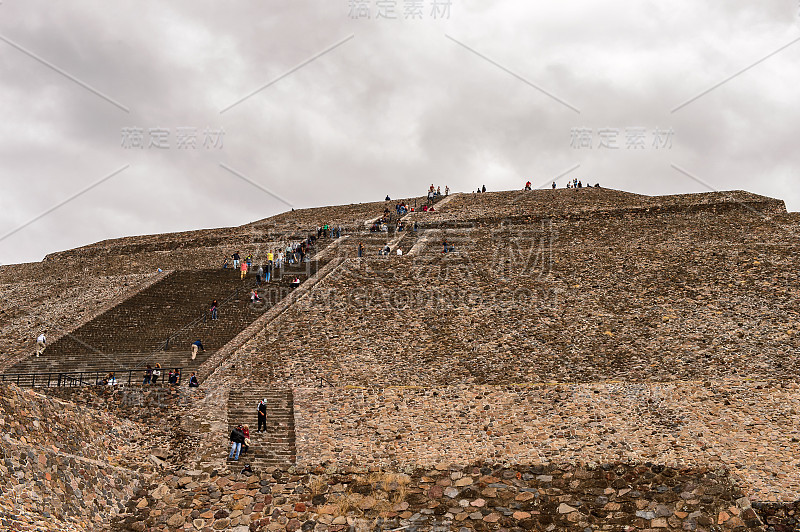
[{"x": 72, "y": 379}]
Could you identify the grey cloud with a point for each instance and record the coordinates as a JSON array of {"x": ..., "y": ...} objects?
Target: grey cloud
[{"x": 394, "y": 109}]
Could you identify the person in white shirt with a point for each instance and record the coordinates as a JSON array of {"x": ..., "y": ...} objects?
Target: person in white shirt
[
  {"x": 399, "y": 251},
  {"x": 41, "y": 344}
]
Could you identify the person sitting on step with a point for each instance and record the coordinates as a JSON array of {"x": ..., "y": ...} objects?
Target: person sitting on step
[
  {"x": 295, "y": 282},
  {"x": 193, "y": 383}
]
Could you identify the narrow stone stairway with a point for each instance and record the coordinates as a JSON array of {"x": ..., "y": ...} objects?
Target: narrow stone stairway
[{"x": 276, "y": 446}]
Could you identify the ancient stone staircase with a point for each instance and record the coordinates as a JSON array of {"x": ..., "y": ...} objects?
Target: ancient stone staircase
[
  {"x": 276, "y": 446},
  {"x": 159, "y": 324}
]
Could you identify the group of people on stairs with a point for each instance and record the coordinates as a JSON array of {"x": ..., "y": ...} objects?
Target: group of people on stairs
[{"x": 240, "y": 435}]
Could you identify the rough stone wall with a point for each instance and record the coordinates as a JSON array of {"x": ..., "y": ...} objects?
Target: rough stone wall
[
  {"x": 65, "y": 467},
  {"x": 178, "y": 420},
  {"x": 661, "y": 298},
  {"x": 779, "y": 517},
  {"x": 751, "y": 428}
]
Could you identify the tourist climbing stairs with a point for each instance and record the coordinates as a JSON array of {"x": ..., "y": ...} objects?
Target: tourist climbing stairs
[{"x": 276, "y": 446}]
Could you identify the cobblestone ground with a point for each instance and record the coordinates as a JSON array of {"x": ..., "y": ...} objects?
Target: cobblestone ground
[{"x": 480, "y": 497}]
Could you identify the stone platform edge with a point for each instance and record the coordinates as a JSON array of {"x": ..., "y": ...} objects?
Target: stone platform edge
[{"x": 763, "y": 209}]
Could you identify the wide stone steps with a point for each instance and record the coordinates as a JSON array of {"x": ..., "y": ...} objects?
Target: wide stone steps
[
  {"x": 176, "y": 308},
  {"x": 275, "y": 446}
]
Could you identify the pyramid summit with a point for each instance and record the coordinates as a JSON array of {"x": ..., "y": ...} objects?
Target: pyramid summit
[{"x": 540, "y": 360}]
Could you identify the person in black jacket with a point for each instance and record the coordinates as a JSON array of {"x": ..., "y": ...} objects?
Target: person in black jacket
[
  {"x": 237, "y": 439},
  {"x": 262, "y": 415}
]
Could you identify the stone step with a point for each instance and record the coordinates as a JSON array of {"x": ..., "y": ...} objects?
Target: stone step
[{"x": 277, "y": 444}]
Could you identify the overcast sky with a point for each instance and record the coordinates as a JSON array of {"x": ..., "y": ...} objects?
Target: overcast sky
[{"x": 321, "y": 105}]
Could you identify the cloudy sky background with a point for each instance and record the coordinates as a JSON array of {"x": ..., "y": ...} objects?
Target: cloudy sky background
[{"x": 398, "y": 104}]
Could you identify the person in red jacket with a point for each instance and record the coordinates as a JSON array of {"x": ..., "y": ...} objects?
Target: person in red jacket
[{"x": 246, "y": 444}]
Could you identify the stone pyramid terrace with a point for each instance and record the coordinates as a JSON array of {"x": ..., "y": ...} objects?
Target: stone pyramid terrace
[{"x": 580, "y": 359}]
